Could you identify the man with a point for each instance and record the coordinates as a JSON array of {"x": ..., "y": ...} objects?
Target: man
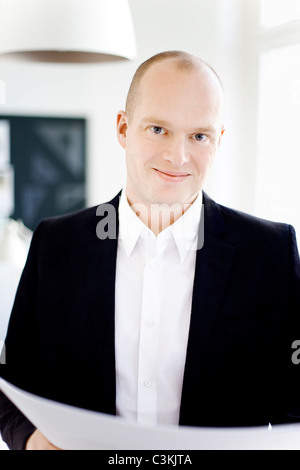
[{"x": 138, "y": 315}]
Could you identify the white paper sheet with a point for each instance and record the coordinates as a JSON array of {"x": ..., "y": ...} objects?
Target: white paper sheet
[{"x": 72, "y": 428}]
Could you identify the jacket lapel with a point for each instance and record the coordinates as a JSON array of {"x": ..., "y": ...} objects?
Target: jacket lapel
[
  {"x": 213, "y": 264},
  {"x": 100, "y": 271}
]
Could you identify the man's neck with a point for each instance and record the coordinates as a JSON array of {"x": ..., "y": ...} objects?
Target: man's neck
[{"x": 158, "y": 217}]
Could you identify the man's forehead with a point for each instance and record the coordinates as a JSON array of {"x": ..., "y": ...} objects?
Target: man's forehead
[
  {"x": 165, "y": 86},
  {"x": 170, "y": 69},
  {"x": 170, "y": 75},
  {"x": 174, "y": 66},
  {"x": 169, "y": 84}
]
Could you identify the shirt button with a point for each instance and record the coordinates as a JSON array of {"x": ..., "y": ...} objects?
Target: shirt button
[
  {"x": 147, "y": 383},
  {"x": 150, "y": 323}
]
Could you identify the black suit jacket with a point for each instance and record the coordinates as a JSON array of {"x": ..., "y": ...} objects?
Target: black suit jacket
[{"x": 245, "y": 317}]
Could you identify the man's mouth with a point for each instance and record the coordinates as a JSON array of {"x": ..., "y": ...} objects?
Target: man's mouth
[{"x": 174, "y": 176}]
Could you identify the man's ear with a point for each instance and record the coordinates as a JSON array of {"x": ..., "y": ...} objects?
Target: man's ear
[
  {"x": 222, "y": 133},
  {"x": 122, "y": 126}
]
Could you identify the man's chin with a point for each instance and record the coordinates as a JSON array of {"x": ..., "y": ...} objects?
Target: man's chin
[{"x": 165, "y": 198}]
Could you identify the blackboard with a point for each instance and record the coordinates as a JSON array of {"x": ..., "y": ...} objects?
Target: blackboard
[{"x": 48, "y": 155}]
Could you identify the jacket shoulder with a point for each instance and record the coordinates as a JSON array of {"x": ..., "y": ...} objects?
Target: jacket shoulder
[
  {"x": 241, "y": 228},
  {"x": 251, "y": 222},
  {"x": 71, "y": 228}
]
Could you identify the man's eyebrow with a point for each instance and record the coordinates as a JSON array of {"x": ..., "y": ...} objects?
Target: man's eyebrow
[
  {"x": 161, "y": 123},
  {"x": 205, "y": 130},
  {"x": 154, "y": 120}
]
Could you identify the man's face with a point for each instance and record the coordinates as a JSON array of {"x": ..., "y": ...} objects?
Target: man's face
[{"x": 172, "y": 136}]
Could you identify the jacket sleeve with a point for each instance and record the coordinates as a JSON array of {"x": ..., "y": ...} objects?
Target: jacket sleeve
[
  {"x": 21, "y": 353},
  {"x": 15, "y": 428},
  {"x": 292, "y": 329}
]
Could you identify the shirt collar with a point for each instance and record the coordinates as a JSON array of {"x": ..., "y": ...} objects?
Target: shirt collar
[{"x": 184, "y": 231}]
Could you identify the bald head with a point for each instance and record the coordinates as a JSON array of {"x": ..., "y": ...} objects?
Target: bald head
[{"x": 180, "y": 60}]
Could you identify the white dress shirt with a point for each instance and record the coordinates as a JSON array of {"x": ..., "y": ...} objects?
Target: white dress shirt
[{"x": 153, "y": 296}]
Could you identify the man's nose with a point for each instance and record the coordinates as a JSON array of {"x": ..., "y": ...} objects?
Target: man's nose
[{"x": 176, "y": 152}]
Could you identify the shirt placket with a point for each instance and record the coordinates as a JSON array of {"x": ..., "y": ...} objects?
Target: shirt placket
[{"x": 147, "y": 401}]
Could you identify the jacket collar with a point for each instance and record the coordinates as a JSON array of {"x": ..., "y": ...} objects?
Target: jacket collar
[
  {"x": 213, "y": 264},
  {"x": 99, "y": 266},
  {"x": 183, "y": 231}
]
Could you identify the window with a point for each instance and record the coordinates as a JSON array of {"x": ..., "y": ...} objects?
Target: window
[
  {"x": 277, "y": 12},
  {"x": 278, "y": 158}
]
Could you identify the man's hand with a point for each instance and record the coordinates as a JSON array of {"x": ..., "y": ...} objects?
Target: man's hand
[{"x": 37, "y": 441}]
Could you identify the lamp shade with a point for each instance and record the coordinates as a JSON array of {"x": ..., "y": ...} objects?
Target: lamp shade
[{"x": 66, "y": 30}]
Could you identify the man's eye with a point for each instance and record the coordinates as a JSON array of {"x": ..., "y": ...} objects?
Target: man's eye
[
  {"x": 200, "y": 137},
  {"x": 158, "y": 130}
]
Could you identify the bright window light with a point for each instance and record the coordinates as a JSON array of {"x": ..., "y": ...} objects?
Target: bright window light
[
  {"x": 279, "y": 12},
  {"x": 278, "y": 162}
]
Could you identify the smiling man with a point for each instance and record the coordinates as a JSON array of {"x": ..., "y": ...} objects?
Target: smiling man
[
  {"x": 171, "y": 131},
  {"x": 152, "y": 325}
]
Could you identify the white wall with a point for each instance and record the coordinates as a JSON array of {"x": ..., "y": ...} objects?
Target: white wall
[
  {"x": 211, "y": 29},
  {"x": 220, "y": 31}
]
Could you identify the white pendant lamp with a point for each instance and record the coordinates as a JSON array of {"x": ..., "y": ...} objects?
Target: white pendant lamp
[{"x": 66, "y": 30}]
